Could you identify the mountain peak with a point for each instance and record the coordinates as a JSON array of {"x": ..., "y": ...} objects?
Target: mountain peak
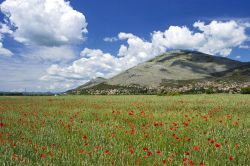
[{"x": 177, "y": 66}]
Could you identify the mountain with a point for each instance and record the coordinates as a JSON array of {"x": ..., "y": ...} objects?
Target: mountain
[
  {"x": 92, "y": 83},
  {"x": 174, "y": 69}
]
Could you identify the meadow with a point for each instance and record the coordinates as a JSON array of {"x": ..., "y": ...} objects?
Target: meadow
[{"x": 125, "y": 130}]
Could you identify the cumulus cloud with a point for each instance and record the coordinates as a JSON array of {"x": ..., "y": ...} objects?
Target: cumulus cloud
[
  {"x": 222, "y": 37},
  {"x": 44, "y": 22},
  {"x": 213, "y": 38}
]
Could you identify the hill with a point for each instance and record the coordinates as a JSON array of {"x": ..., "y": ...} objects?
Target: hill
[{"x": 173, "y": 71}]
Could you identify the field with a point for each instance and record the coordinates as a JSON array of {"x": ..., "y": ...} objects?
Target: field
[{"x": 125, "y": 130}]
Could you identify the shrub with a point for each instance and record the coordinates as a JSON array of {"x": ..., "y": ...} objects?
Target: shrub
[{"x": 245, "y": 90}]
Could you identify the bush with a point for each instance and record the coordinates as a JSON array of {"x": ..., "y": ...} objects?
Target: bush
[
  {"x": 209, "y": 91},
  {"x": 245, "y": 90}
]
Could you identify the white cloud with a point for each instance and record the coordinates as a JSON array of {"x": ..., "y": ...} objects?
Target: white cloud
[
  {"x": 4, "y": 29},
  {"x": 4, "y": 51},
  {"x": 215, "y": 38},
  {"x": 244, "y": 46},
  {"x": 44, "y": 22},
  {"x": 54, "y": 54},
  {"x": 110, "y": 39},
  {"x": 222, "y": 37}
]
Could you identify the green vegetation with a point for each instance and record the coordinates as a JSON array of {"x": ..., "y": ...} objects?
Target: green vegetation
[
  {"x": 245, "y": 90},
  {"x": 125, "y": 130}
]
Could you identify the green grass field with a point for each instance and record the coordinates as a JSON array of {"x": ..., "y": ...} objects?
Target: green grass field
[{"x": 125, "y": 130}]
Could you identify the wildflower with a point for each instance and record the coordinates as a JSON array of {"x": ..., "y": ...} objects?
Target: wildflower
[
  {"x": 175, "y": 124},
  {"x": 113, "y": 135},
  {"x": 187, "y": 139},
  {"x": 14, "y": 156},
  {"x": 191, "y": 162},
  {"x": 185, "y": 123},
  {"x": 149, "y": 154},
  {"x": 98, "y": 147},
  {"x": 145, "y": 149},
  {"x": 42, "y": 156},
  {"x": 132, "y": 151},
  {"x": 164, "y": 161},
  {"x": 81, "y": 152},
  {"x": 202, "y": 164},
  {"x": 130, "y": 147},
  {"x": 1, "y": 125},
  {"x": 131, "y": 113},
  {"x": 196, "y": 148},
  {"x": 231, "y": 158},
  {"x": 212, "y": 141},
  {"x": 106, "y": 152},
  {"x": 158, "y": 151},
  {"x": 217, "y": 145},
  {"x": 187, "y": 153}
]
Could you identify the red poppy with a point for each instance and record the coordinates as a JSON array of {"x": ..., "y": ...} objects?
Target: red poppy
[
  {"x": 184, "y": 159},
  {"x": 158, "y": 151},
  {"x": 106, "y": 152},
  {"x": 164, "y": 161},
  {"x": 14, "y": 156},
  {"x": 191, "y": 162},
  {"x": 131, "y": 113},
  {"x": 1, "y": 125},
  {"x": 98, "y": 147},
  {"x": 202, "y": 164},
  {"x": 81, "y": 152},
  {"x": 130, "y": 147},
  {"x": 187, "y": 139},
  {"x": 187, "y": 153},
  {"x": 196, "y": 148},
  {"x": 217, "y": 145},
  {"x": 149, "y": 154},
  {"x": 231, "y": 158},
  {"x": 175, "y": 124},
  {"x": 132, "y": 151},
  {"x": 42, "y": 156},
  {"x": 185, "y": 123},
  {"x": 85, "y": 137},
  {"x": 145, "y": 149}
]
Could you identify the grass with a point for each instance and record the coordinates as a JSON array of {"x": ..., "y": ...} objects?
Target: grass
[{"x": 125, "y": 130}]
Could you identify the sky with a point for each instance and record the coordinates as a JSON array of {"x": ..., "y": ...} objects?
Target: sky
[{"x": 56, "y": 45}]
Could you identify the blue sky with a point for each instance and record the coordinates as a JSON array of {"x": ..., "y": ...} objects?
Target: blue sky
[{"x": 44, "y": 51}]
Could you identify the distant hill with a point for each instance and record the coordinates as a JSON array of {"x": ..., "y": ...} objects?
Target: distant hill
[{"x": 174, "y": 69}]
